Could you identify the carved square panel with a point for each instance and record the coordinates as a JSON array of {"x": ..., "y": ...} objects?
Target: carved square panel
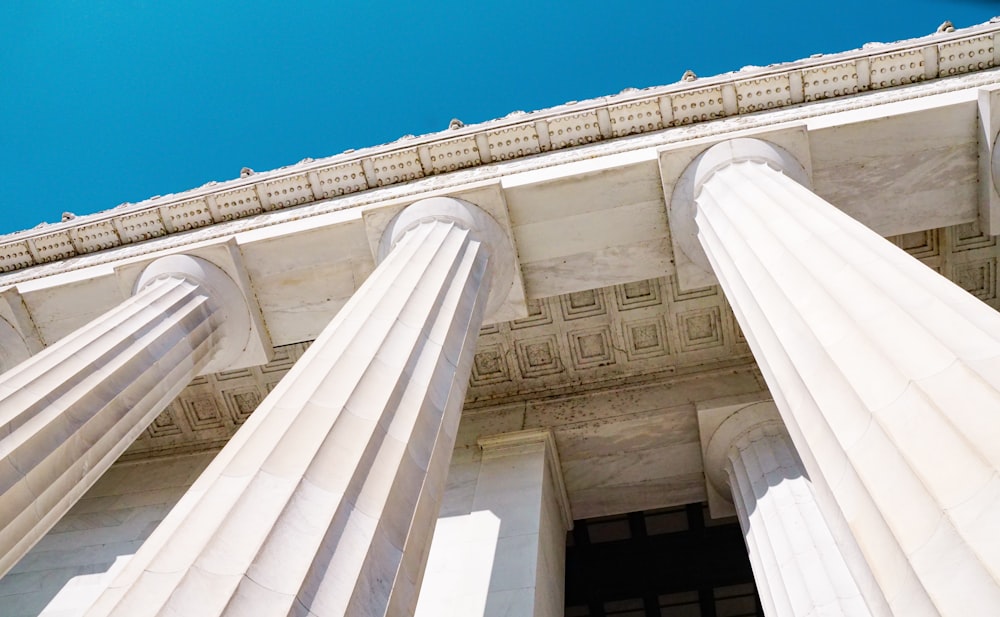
[
  {"x": 968, "y": 236},
  {"x": 283, "y": 359},
  {"x": 453, "y": 154},
  {"x": 15, "y": 255},
  {"x": 396, "y": 167},
  {"x": 963, "y": 56},
  {"x": 187, "y": 215},
  {"x": 645, "y": 339},
  {"x": 202, "y": 412},
  {"x": 591, "y": 348},
  {"x": 763, "y": 93},
  {"x": 582, "y": 304},
  {"x": 286, "y": 192},
  {"x": 637, "y": 117},
  {"x": 238, "y": 203},
  {"x": 539, "y": 314},
  {"x": 236, "y": 374},
  {"x": 574, "y": 130},
  {"x": 830, "y": 81},
  {"x": 165, "y": 424},
  {"x": 52, "y": 247},
  {"x": 700, "y": 329},
  {"x": 738, "y": 335},
  {"x": 896, "y": 69},
  {"x": 676, "y": 295},
  {"x": 639, "y": 294},
  {"x": 979, "y": 278},
  {"x": 141, "y": 226},
  {"x": 340, "y": 180},
  {"x": 241, "y": 402},
  {"x": 920, "y": 244},
  {"x": 537, "y": 357},
  {"x": 698, "y": 105},
  {"x": 489, "y": 366},
  {"x": 95, "y": 236},
  {"x": 513, "y": 142}
]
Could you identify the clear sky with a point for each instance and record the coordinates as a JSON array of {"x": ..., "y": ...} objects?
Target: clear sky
[{"x": 107, "y": 102}]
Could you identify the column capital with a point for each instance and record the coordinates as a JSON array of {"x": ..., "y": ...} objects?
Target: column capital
[
  {"x": 683, "y": 200},
  {"x": 13, "y": 347},
  {"x": 465, "y": 215},
  {"x": 723, "y": 425},
  {"x": 19, "y": 337},
  {"x": 733, "y": 433},
  {"x": 230, "y": 310},
  {"x": 740, "y": 150}
]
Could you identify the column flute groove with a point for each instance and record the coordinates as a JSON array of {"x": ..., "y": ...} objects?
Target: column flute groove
[
  {"x": 886, "y": 373},
  {"x": 324, "y": 501}
]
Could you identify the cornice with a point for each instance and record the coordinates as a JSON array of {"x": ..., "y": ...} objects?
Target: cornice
[{"x": 351, "y": 178}]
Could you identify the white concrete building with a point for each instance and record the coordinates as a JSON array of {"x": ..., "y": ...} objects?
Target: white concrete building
[{"x": 497, "y": 370}]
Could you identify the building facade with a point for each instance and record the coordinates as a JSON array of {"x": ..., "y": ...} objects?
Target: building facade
[{"x": 401, "y": 380}]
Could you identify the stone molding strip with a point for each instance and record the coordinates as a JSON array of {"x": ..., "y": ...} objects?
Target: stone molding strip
[{"x": 518, "y": 135}]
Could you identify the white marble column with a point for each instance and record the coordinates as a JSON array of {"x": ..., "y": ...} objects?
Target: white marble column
[
  {"x": 69, "y": 411},
  {"x": 324, "y": 502},
  {"x": 885, "y": 373},
  {"x": 797, "y": 565},
  {"x": 507, "y": 556}
]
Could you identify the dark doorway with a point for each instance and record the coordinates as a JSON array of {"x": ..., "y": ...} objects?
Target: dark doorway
[{"x": 675, "y": 562}]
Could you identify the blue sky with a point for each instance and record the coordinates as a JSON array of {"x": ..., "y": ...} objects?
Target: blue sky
[{"x": 103, "y": 103}]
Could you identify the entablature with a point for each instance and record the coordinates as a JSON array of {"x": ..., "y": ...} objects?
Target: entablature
[
  {"x": 900, "y": 159},
  {"x": 797, "y": 85}
]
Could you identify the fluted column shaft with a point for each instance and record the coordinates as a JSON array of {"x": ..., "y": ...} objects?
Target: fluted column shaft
[
  {"x": 324, "y": 502},
  {"x": 797, "y": 565},
  {"x": 69, "y": 411},
  {"x": 885, "y": 373}
]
